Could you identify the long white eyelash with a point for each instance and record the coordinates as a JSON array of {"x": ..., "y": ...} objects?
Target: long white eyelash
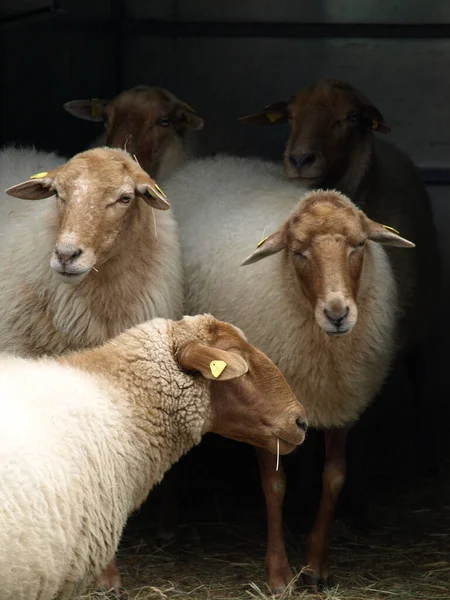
[
  {"x": 153, "y": 212},
  {"x": 126, "y": 142},
  {"x": 278, "y": 454}
]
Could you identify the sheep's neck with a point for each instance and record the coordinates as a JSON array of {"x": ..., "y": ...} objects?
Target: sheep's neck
[
  {"x": 166, "y": 410},
  {"x": 359, "y": 172},
  {"x": 172, "y": 156}
]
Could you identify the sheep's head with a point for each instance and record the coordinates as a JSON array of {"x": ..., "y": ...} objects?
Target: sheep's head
[
  {"x": 100, "y": 195},
  {"x": 325, "y": 240},
  {"x": 149, "y": 122},
  {"x": 250, "y": 399},
  {"x": 328, "y": 121}
]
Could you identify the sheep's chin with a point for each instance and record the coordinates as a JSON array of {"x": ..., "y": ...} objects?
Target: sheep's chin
[{"x": 73, "y": 278}]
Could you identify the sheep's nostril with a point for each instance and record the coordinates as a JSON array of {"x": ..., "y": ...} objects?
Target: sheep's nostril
[
  {"x": 302, "y": 160},
  {"x": 337, "y": 317},
  {"x": 67, "y": 255},
  {"x": 302, "y": 424}
]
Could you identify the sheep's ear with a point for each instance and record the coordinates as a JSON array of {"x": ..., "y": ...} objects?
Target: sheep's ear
[
  {"x": 186, "y": 117},
  {"x": 386, "y": 235},
  {"x": 374, "y": 118},
  {"x": 266, "y": 247},
  {"x": 152, "y": 194},
  {"x": 212, "y": 363},
  {"x": 272, "y": 114},
  {"x": 39, "y": 186},
  {"x": 89, "y": 110}
]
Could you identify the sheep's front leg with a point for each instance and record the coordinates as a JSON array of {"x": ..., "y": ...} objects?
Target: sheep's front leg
[
  {"x": 333, "y": 478},
  {"x": 110, "y": 577},
  {"x": 274, "y": 486}
]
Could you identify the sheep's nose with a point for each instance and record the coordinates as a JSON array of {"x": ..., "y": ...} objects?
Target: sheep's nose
[
  {"x": 302, "y": 160},
  {"x": 337, "y": 317},
  {"x": 302, "y": 423},
  {"x": 67, "y": 254}
]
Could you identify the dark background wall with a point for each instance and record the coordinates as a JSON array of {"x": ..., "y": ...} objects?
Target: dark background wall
[{"x": 230, "y": 58}]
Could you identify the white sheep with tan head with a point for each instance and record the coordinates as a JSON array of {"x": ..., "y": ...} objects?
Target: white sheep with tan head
[
  {"x": 149, "y": 122},
  {"x": 84, "y": 438},
  {"x": 88, "y": 251},
  {"x": 322, "y": 305},
  {"x": 333, "y": 141}
]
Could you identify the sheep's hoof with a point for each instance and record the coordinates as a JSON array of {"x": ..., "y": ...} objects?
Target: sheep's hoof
[
  {"x": 315, "y": 584},
  {"x": 279, "y": 581}
]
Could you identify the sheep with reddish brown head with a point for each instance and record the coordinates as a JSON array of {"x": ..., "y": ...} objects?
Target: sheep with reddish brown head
[{"x": 150, "y": 122}]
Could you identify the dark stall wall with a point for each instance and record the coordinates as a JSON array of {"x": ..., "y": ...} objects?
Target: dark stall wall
[{"x": 46, "y": 58}]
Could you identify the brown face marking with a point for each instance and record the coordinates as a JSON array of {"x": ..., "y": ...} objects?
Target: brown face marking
[
  {"x": 258, "y": 407},
  {"x": 328, "y": 121},
  {"x": 144, "y": 121},
  {"x": 324, "y": 241},
  {"x": 98, "y": 202}
]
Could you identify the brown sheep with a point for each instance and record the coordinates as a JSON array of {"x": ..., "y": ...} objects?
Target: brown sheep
[{"x": 150, "y": 122}]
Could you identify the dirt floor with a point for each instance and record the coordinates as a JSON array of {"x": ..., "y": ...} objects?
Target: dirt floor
[{"x": 403, "y": 555}]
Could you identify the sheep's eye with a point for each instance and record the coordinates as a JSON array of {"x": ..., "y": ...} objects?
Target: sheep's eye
[
  {"x": 358, "y": 246},
  {"x": 353, "y": 115},
  {"x": 164, "y": 122},
  {"x": 301, "y": 255},
  {"x": 125, "y": 198}
]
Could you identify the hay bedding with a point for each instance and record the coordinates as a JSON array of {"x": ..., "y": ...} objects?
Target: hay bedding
[{"x": 404, "y": 556}]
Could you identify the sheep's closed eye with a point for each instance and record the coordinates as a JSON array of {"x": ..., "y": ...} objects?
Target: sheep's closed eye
[{"x": 301, "y": 255}]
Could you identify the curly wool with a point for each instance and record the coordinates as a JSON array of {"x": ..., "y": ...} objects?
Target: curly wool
[{"x": 83, "y": 439}]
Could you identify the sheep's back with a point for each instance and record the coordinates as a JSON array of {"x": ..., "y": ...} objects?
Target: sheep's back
[
  {"x": 397, "y": 197},
  {"x": 62, "y": 502}
]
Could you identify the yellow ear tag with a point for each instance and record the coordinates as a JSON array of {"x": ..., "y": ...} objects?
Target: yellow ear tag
[
  {"x": 262, "y": 241},
  {"x": 391, "y": 229},
  {"x": 374, "y": 124},
  {"x": 273, "y": 117},
  {"x": 39, "y": 175},
  {"x": 160, "y": 190},
  {"x": 96, "y": 108},
  {"x": 217, "y": 367},
  {"x": 189, "y": 107}
]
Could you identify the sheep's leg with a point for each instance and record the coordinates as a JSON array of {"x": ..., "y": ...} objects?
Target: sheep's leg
[
  {"x": 333, "y": 478},
  {"x": 274, "y": 485},
  {"x": 110, "y": 577}
]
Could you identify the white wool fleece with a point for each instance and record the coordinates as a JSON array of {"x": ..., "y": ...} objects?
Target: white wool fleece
[
  {"x": 81, "y": 449},
  {"x": 41, "y": 314},
  {"x": 225, "y": 206}
]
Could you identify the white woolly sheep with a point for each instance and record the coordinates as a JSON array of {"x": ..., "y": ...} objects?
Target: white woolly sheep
[
  {"x": 94, "y": 260},
  {"x": 84, "y": 437},
  {"x": 329, "y": 276},
  {"x": 149, "y": 122}
]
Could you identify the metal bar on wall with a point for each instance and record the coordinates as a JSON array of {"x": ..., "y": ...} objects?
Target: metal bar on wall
[{"x": 286, "y": 30}]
